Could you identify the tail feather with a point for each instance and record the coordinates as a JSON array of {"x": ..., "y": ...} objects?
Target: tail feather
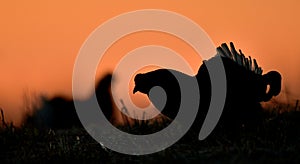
[{"x": 239, "y": 58}]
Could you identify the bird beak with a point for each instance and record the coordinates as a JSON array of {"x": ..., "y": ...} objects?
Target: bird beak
[{"x": 135, "y": 90}]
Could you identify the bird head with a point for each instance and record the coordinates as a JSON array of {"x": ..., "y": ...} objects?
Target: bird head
[
  {"x": 142, "y": 84},
  {"x": 161, "y": 77}
]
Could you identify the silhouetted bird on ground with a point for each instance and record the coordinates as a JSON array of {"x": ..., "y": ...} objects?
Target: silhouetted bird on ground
[
  {"x": 59, "y": 112},
  {"x": 246, "y": 87}
]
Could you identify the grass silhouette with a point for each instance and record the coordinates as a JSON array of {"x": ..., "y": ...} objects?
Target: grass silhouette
[{"x": 276, "y": 140}]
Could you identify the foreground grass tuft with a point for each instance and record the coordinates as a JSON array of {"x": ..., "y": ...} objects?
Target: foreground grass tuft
[{"x": 277, "y": 140}]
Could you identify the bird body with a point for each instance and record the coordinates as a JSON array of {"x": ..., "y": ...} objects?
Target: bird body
[{"x": 246, "y": 87}]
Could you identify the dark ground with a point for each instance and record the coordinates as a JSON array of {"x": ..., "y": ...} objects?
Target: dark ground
[{"x": 276, "y": 140}]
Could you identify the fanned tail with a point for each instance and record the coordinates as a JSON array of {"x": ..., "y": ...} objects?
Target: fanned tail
[{"x": 239, "y": 58}]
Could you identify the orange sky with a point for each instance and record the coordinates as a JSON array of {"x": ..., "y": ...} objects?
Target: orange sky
[{"x": 39, "y": 40}]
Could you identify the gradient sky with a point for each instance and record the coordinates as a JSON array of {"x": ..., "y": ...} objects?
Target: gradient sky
[{"x": 39, "y": 40}]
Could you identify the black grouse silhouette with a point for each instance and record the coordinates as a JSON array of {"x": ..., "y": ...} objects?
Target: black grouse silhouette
[
  {"x": 246, "y": 88},
  {"x": 59, "y": 112}
]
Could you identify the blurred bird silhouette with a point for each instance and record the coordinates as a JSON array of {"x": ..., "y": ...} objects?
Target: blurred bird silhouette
[{"x": 59, "y": 112}]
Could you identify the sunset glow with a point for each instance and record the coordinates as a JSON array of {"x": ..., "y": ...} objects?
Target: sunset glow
[{"x": 41, "y": 39}]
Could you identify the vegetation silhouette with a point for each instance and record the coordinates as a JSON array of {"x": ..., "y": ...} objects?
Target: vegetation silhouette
[{"x": 246, "y": 88}]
